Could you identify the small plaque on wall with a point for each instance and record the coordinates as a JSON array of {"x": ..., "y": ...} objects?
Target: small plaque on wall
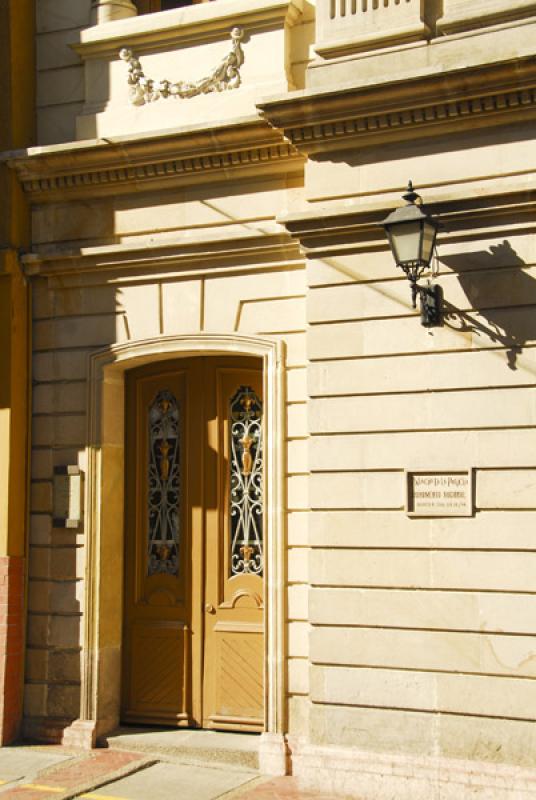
[
  {"x": 67, "y": 512},
  {"x": 439, "y": 493}
]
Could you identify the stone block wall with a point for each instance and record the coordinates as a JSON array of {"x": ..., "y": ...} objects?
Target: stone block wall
[
  {"x": 60, "y": 75},
  {"x": 410, "y": 641},
  {"x": 423, "y": 629},
  {"x": 79, "y": 312}
]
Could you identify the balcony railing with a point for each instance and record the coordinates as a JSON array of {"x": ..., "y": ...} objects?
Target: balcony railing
[
  {"x": 345, "y": 26},
  {"x": 362, "y": 24},
  {"x": 150, "y": 72}
]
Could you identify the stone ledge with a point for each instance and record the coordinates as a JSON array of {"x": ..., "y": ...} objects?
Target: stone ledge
[
  {"x": 214, "y": 254},
  {"x": 200, "y": 23},
  {"x": 356, "y": 226},
  {"x": 353, "y": 27},
  {"x": 460, "y": 15},
  {"x": 371, "y": 41},
  {"x": 188, "y": 155},
  {"x": 431, "y": 102}
]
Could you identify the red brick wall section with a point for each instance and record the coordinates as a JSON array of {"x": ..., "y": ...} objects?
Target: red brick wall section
[{"x": 11, "y": 646}]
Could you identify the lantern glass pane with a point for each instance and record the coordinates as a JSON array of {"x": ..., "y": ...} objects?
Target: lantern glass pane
[
  {"x": 429, "y": 234},
  {"x": 405, "y": 240}
]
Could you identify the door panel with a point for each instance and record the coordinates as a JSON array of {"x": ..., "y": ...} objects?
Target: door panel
[
  {"x": 161, "y": 651},
  {"x": 193, "y": 647},
  {"x": 162, "y": 494},
  {"x": 234, "y": 636},
  {"x": 238, "y": 676}
]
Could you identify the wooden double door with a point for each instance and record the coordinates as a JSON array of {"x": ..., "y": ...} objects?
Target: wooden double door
[{"x": 193, "y": 643}]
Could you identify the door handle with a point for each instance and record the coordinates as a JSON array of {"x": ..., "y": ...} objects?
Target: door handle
[{"x": 209, "y": 608}]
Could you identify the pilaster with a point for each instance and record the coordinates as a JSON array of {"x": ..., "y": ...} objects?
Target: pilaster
[{"x": 16, "y": 48}]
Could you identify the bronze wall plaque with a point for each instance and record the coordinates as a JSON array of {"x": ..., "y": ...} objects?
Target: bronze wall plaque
[{"x": 437, "y": 493}]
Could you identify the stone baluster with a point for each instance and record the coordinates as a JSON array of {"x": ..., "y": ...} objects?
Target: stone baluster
[
  {"x": 109, "y": 10},
  {"x": 346, "y": 26}
]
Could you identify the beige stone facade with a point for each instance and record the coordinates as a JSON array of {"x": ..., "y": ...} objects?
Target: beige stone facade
[{"x": 400, "y": 655}]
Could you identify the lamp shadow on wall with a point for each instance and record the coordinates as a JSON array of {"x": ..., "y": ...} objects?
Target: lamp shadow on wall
[{"x": 491, "y": 280}]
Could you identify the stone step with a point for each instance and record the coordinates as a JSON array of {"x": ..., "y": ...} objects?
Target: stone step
[{"x": 237, "y": 750}]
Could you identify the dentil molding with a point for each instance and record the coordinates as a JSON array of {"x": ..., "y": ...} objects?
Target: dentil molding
[
  {"x": 248, "y": 147},
  {"x": 432, "y": 104}
]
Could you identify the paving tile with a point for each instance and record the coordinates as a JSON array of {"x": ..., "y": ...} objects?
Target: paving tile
[
  {"x": 167, "y": 781},
  {"x": 42, "y": 778},
  {"x": 42, "y": 773},
  {"x": 17, "y": 762},
  {"x": 89, "y": 768},
  {"x": 280, "y": 789}
]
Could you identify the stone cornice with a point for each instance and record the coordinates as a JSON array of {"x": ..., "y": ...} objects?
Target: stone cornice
[
  {"x": 186, "y": 156},
  {"x": 355, "y": 227},
  {"x": 200, "y": 23},
  {"x": 207, "y": 253},
  {"x": 426, "y": 104}
]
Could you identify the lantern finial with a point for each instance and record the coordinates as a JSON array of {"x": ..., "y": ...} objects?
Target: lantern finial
[{"x": 411, "y": 195}]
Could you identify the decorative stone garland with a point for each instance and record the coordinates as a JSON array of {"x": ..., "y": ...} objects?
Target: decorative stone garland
[{"x": 225, "y": 76}]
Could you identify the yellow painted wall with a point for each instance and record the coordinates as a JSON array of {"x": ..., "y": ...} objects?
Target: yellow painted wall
[{"x": 16, "y": 130}]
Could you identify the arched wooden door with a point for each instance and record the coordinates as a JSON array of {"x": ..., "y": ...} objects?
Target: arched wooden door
[{"x": 193, "y": 644}]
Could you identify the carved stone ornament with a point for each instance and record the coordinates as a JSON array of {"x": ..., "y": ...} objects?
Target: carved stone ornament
[{"x": 225, "y": 76}]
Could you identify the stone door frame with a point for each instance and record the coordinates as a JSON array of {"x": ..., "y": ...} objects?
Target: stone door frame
[{"x": 104, "y": 522}]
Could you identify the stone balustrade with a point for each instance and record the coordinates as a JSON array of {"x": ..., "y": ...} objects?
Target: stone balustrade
[
  {"x": 110, "y": 10},
  {"x": 349, "y": 26},
  {"x": 175, "y": 68},
  {"x": 352, "y": 25}
]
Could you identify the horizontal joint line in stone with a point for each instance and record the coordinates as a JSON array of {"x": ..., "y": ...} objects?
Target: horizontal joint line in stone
[
  {"x": 413, "y": 629},
  {"x": 59, "y": 381},
  {"x": 51, "y": 648},
  {"x": 415, "y": 709},
  {"x": 409, "y": 313},
  {"x": 60, "y": 104},
  {"x": 419, "y": 353},
  {"x": 369, "y": 470},
  {"x": 70, "y": 547},
  {"x": 430, "y": 549},
  {"x": 60, "y": 614},
  {"x": 61, "y": 414},
  {"x": 426, "y": 670},
  {"x": 449, "y": 350},
  {"x": 282, "y": 333},
  {"x": 51, "y": 682},
  {"x": 404, "y": 392},
  {"x": 445, "y": 589},
  {"x": 83, "y": 348},
  {"x": 377, "y": 431},
  {"x": 358, "y": 508}
]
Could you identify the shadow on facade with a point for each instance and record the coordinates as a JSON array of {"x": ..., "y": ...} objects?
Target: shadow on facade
[
  {"x": 69, "y": 324},
  {"x": 490, "y": 279},
  {"x": 411, "y": 158}
]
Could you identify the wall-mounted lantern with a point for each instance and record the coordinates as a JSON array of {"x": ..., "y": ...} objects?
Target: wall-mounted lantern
[{"x": 412, "y": 233}]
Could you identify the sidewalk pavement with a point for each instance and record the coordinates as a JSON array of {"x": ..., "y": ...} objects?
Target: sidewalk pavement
[{"x": 35, "y": 772}]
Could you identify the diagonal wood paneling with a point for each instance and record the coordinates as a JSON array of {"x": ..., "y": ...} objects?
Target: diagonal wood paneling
[
  {"x": 157, "y": 675},
  {"x": 240, "y": 675}
]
